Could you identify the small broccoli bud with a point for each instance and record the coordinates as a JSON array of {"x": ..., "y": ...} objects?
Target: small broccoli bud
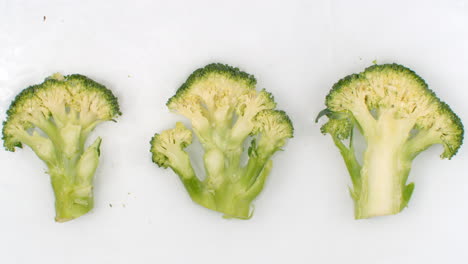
[
  {"x": 249, "y": 105},
  {"x": 224, "y": 109},
  {"x": 275, "y": 127},
  {"x": 54, "y": 119},
  {"x": 399, "y": 117},
  {"x": 191, "y": 107},
  {"x": 339, "y": 128},
  {"x": 168, "y": 149}
]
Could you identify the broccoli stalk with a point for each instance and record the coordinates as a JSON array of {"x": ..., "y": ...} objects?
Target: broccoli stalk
[
  {"x": 225, "y": 111},
  {"x": 55, "y": 119},
  {"x": 399, "y": 118}
]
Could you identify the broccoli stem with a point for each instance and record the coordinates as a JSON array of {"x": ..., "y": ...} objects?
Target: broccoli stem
[
  {"x": 71, "y": 200},
  {"x": 223, "y": 183},
  {"x": 227, "y": 188},
  {"x": 72, "y": 182},
  {"x": 252, "y": 170},
  {"x": 197, "y": 190},
  {"x": 259, "y": 182},
  {"x": 229, "y": 201},
  {"x": 234, "y": 199},
  {"x": 385, "y": 169},
  {"x": 352, "y": 164},
  {"x": 381, "y": 192}
]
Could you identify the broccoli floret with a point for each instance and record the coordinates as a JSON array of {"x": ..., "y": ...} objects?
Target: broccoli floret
[
  {"x": 54, "y": 119},
  {"x": 399, "y": 117},
  {"x": 226, "y": 111}
]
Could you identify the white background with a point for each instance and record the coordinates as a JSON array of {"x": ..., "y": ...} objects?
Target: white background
[{"x": 144, "y": 50}]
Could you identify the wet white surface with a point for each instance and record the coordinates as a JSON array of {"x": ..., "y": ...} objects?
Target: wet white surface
[{"x": 144, "y": 50}]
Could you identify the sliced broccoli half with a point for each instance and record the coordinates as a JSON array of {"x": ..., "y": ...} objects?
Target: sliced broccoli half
[
  {"x": 225, "y": 111},
  {"x": 54, "y": 119},
  {"x": 399, "y": 117}
]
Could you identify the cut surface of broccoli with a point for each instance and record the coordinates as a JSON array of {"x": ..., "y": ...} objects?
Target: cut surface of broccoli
[
  {"x": 225, "y": 111},
  {"x": 399, "y": 117},
  {"x": 55, "y": 118}
]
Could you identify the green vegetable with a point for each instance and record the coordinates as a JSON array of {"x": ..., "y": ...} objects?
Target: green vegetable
[
  {"x": 226, "y": 112},
  {"x": 399, "y": 118},
  {"x": 55, "y": 119}
]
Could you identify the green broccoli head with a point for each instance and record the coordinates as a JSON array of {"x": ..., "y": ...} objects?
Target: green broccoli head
[
  {"x": 392, "y": 89},
  {"x": 225, "y": 110},
  {"x": 62, "y": 101},
  {"x": 275, "y": 128},
  {"x": 168, "y": 147},
  {"x": 399, "y": 117},
  {"x": 54, "y": 119}
]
